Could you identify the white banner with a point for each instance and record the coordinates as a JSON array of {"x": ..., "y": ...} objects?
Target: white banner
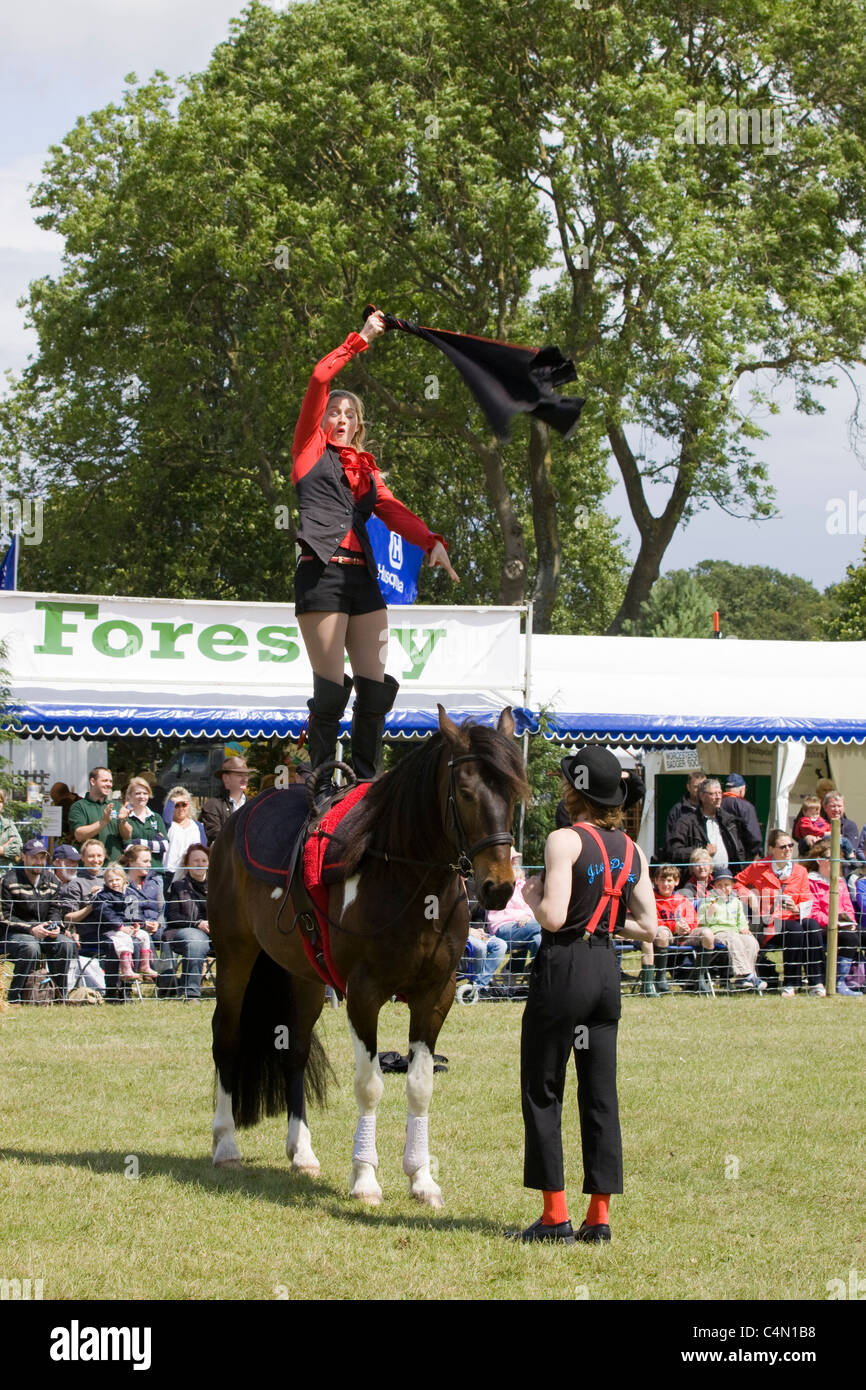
[{"x": 155, "y": 650}]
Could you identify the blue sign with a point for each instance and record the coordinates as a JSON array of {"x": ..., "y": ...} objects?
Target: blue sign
[
  {"x": 397, "y": 561},
  {"x": 9, "y": 567}
]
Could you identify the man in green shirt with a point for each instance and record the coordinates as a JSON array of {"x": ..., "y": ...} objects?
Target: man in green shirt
[{"x": 92, "y": 816}]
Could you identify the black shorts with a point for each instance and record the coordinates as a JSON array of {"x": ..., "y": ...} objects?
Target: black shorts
[{"x": 332, "y": 588}]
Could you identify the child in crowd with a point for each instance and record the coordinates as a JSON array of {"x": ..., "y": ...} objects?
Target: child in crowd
[
  {"x": 722, "y": 911},
  {"x": 677, "y": 920},
  {"x": 810, "y": 826},
  {"x": 110, "y": 909},
  {"x": 698, "y": 883}
]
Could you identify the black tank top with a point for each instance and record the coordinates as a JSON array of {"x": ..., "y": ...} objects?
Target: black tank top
[{"x": 588, "y": 880}]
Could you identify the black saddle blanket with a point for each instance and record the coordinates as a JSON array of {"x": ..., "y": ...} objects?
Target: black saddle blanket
[{"x": 267, "y": 831}]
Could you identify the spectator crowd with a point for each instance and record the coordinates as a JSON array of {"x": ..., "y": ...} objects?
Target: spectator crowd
[{"x": 124, "y": 897}]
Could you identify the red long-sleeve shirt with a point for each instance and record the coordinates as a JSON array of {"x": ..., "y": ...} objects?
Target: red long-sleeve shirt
[{"x": 310, "y": 441}]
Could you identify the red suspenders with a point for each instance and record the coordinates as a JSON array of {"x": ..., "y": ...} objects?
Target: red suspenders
[{"x": 612, "y": 892}]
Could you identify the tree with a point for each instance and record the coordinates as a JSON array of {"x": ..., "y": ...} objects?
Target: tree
[
  {"x": 678, "y": 606},
  {"x": 592, "y": 176},
  {"x": 215, "y": 251},
  {"x": 846, "y": 618},
  {"x": 757, "y": 602}
]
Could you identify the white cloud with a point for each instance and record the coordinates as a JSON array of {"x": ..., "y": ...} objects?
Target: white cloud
[{"x": 18, "y": 230}]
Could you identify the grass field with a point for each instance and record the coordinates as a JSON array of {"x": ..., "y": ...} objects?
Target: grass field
[{"x": 745, "y": 1163}]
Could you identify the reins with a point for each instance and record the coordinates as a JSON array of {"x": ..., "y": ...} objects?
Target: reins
[{"x": 463, "y": 865}]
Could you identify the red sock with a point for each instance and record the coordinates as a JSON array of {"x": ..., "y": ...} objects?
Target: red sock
[
  {"x": 598, "y": 1213},
  {"x": 555, "y": 1208}
]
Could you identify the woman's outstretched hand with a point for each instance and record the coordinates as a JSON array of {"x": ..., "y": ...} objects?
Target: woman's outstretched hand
[
  {"x": 373, "y": 326},
  {"x": 439, "y": 556}
]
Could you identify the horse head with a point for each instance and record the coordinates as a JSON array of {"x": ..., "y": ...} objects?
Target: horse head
[{"x": 483, "y": 779}]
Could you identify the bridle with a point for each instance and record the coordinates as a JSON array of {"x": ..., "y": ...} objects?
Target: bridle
[{"x": 465, "y": 856}]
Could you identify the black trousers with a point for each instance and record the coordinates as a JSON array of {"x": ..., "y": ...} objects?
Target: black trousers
[{"x": 573, "y": 1007}]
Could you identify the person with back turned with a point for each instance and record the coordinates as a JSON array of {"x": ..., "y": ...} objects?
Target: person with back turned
[{"x": 595, "y": 883}]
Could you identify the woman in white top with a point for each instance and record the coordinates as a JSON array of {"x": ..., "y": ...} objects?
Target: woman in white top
[{"x": 183, "y": 831}]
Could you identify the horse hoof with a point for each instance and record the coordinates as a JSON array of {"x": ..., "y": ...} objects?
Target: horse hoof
[
  {"x": 227, "y": 1163},
  {"x": 430, "y": 1199},
  {"x": 312, "y": 1170},
  {"x": 370, "y": 1199}
]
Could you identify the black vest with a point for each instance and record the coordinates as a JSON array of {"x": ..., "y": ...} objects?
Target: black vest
[
  {"x": 587, "y": 881},
  {"x": 328, "y": 508}
]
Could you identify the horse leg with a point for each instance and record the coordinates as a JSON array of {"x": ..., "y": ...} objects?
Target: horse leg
[
  {"x": 426, "y": 1017},
  {"x": 309, "y": 999},
  {"x": 231, "y": 983},
  {"x": 363, "y": 1014}
]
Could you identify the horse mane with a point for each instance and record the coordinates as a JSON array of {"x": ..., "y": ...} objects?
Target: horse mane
[{"x": 401, "y": 812}]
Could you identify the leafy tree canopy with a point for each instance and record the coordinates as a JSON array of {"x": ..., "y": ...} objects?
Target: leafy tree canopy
[{"x": 534, "y": 172}]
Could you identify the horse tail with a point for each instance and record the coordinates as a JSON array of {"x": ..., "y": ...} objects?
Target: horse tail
[{"x": 266, "y": 1054}]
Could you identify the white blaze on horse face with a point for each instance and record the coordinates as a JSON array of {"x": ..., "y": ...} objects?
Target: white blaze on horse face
[
  {"x": 350, "y": 892},
  {"x": 225, "y": 1150},
  {"x": 369, "y": 1085}
]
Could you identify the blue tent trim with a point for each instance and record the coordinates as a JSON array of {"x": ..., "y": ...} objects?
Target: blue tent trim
[
  {"x": 113, "y": 721},
  {"x": 632, "y": 728}
]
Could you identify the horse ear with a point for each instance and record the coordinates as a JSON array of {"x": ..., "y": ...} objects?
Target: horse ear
[
  {"x": 447, "y": 727},
  {"x": 506, "y": 722}
]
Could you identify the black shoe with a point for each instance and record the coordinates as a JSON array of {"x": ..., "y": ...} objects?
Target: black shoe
[
  {"x": 592, "y": 1234},
  {"x": 537, "y": 1231}
]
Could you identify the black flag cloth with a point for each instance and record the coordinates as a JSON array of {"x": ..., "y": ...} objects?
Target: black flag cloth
[{"x": 506, "y": 380}]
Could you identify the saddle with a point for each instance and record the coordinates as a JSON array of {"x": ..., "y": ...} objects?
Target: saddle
[{"x": 276, "y": 846}]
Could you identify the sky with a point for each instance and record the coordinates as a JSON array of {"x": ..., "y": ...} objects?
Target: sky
[{"x": 60, "y": 60}]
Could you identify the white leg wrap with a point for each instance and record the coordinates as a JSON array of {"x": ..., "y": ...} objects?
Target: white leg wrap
[
  {"x": 369, "y": 1085},
  {"x": 299, "y": 1148},
  {"x": 364, "y": 1146},
  {"x": 416, "y": 1153},
  {"x": 225, "y": 1151}
]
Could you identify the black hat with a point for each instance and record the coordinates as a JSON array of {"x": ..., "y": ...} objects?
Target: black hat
[{"x": 595, "y": 772}]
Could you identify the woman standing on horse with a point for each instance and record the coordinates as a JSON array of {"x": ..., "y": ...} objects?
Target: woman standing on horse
[
  {"x": 338, "y": 603},
  {"x": 595, "y": 883}
]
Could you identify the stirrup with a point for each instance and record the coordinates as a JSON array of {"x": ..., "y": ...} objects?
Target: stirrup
[{"x": 322, "y": 794}]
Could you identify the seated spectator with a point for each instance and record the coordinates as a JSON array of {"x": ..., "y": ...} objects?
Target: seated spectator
[
  {"x": 734, "y": 799},
  {"x": 678, "y": 922},
  {"x": 780, "y": 901},
  {"x": 10, "y": 838},
  {"x": 78, "y": 888},
  {"x": 187, "y": 930},
  {"x": 722, "y": 911},
  {"x": 26, "y": 926},
  {"x": 90, "y": 816},
  {"x": 138, "y": 825},
  {"x": 485, "y": 952},
  {"x": 108, "y": 910},
  {"x": 145, "y": 900},
  {"x": 183, "y": 831},
  {"x": 710, "y": 826},
  {"x": 697, "y": 885},
  {"x": 833, "y": 808},
  {"x": 810, "y": 826},
  {"x": 850, "y": 936},
  {"x": 515, "y": 924}
]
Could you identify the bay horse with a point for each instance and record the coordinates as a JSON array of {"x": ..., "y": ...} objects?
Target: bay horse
[{"x": 399, "y": 923}]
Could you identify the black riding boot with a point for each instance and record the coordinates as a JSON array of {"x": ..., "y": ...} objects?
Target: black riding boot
[
  {"x": 373, "y": 699},
  {"x": 327, "y": 708}
]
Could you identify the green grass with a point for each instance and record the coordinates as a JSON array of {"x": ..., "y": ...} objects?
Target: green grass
[{"x": 769, "y": 1089}]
